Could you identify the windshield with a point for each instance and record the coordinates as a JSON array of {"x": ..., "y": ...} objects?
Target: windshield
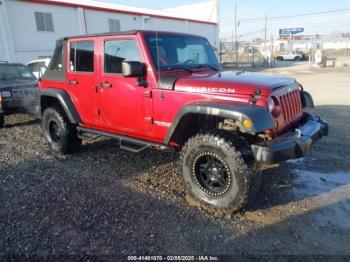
[
  {"x": 13, "y": 72},
  {"x": 181, "y": 51}
]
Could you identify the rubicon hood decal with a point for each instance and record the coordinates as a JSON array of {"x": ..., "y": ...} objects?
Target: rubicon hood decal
[{"x": 212, "y": 90}]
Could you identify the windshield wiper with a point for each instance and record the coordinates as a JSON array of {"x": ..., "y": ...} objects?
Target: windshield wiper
[
  {"x": 180, "y": 67},
  {"x": 207, "y": 66}
]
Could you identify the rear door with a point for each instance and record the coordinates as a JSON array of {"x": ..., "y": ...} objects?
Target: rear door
[
  {"x": 126, "y": 107},
  {"x": 82, "y": 65}
]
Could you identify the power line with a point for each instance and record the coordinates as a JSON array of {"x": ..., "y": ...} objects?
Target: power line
[
  {"x": 298, "y": 15},
  {"x": 332, "y": 12}
]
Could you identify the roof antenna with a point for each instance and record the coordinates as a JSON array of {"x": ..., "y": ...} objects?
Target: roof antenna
[{"x": 158, "y": 62}]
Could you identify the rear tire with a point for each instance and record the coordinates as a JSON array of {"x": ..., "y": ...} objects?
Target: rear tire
[
  {"x": 59, "y": 132},
  {"x": 219, "y": 171},
  {"x": 2, "y": 120}
]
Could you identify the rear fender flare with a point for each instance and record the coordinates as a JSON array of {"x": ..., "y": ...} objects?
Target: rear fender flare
[{"x": 64, "y": 100}]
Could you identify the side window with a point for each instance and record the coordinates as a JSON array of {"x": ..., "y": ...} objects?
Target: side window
[
  {"x": 117, "y": 51},
  {"x": 81, "y": 56}
]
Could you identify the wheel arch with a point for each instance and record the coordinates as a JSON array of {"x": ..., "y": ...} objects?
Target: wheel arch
[
  {"x": 53, "y": 96},
  {"x": 306, "y": 99},
  {"x": 190, "y": 119}
]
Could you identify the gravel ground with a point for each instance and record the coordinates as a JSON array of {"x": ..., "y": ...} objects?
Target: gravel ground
[{"x": 104, "y": 201}]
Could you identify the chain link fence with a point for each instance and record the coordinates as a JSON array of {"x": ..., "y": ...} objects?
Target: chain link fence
[{"x": 330, "y": 52}]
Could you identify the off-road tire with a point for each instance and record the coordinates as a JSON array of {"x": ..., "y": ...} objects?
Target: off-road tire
[
  {"x": 243, "y": 169},
  {"x": 2, "y": 120},
  {"x": 67, "y": 141}
]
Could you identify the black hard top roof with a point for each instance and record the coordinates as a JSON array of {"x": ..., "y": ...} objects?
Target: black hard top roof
[{"x": 130, "y": 32}]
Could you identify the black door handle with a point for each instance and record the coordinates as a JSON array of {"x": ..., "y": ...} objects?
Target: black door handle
[
  {"x": 105, "y": 85},
  {"x": 73, "y": 82}
]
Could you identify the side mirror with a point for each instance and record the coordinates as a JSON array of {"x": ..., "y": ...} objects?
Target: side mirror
[{"x": 133, "y": 68}]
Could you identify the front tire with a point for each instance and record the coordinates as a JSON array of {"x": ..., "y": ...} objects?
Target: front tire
[
  {"x": 2, "y": 120},
  {"x": 218, "y": 171},
  {"x": 59, "y": 132}
]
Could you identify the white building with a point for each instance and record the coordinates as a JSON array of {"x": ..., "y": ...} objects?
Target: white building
[{"x": 30, "y": 28}]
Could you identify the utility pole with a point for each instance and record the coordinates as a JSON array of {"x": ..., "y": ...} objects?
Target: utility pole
[
  {"x": 233, "y": 44},
  {"x": 236, "y": 36},
  {"x": 271, "y": 57},
  {"x": 265, "y": 32},
  {"x": 220, "y": 50}
]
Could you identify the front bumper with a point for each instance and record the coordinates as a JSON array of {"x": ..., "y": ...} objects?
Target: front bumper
[
  {"x": 294, "y": 144},
  {"x": 28, "y": 104}
]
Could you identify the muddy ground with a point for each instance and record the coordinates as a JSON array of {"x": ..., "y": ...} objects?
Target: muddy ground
[{"x": 104, "y": 201}]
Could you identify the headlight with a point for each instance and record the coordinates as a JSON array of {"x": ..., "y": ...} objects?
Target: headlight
[
  {"x": 6, "y": 94},
  {"x": 271, "y": 105},
  {"x": 274, "y": 107}
]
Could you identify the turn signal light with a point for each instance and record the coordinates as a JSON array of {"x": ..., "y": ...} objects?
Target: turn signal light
[{"x": 247, "y": 123}]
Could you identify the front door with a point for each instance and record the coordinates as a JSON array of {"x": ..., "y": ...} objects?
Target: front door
[
  {"x": 81, "y": 78},
  {"x": 126, "y": 107}
]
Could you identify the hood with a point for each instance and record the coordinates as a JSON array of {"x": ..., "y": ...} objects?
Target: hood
[
  {"x": 18, "y": 83},
  {"x": 231, "y": 82}
]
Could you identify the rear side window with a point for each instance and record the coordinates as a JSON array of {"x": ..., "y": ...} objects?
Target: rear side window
[
  {"x": 81, "y": 56},
  {"x": 117, "y": 51}
]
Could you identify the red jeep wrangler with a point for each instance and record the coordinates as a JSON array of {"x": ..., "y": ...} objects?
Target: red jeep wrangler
[{"x": 166, "y": 91}]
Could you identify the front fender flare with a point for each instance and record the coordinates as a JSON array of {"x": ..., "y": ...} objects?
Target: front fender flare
[
  {"x": 64, "y": 100},
  {"x": 306, "y": 99},
  {"x": 259, "y": 116}
]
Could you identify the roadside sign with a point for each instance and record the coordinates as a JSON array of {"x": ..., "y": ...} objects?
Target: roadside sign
[{"x": 291, "y": 31}]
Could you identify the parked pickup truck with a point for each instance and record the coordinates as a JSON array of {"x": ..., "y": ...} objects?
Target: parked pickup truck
[
  {"x": 289, "y": 56},
  {"x": 166, "y": 91}
]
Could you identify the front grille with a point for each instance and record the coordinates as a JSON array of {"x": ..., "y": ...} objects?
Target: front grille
[{"x": 291, "y": 106}]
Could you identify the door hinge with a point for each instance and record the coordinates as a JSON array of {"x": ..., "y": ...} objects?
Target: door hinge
[{"x": 149, "y": 120}]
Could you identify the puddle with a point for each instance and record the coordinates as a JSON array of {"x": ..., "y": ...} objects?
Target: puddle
[
  {"x": 321, "y": 198},
  {"x": 329, "y": 192},
  {"x": 309, "y": 183}
]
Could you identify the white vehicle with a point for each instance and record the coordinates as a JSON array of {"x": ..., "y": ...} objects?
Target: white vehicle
[
  {"x": 38, "y": 67},
  {"x": 289, "y": 56}
]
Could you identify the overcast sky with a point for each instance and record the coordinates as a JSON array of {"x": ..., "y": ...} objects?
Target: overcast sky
[{"x": 322, "y": 24}]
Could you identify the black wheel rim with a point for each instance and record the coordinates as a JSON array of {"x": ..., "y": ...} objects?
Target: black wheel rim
[
  {"x": 211, "y": 174},
  {"x": 54, "y": 131}
]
